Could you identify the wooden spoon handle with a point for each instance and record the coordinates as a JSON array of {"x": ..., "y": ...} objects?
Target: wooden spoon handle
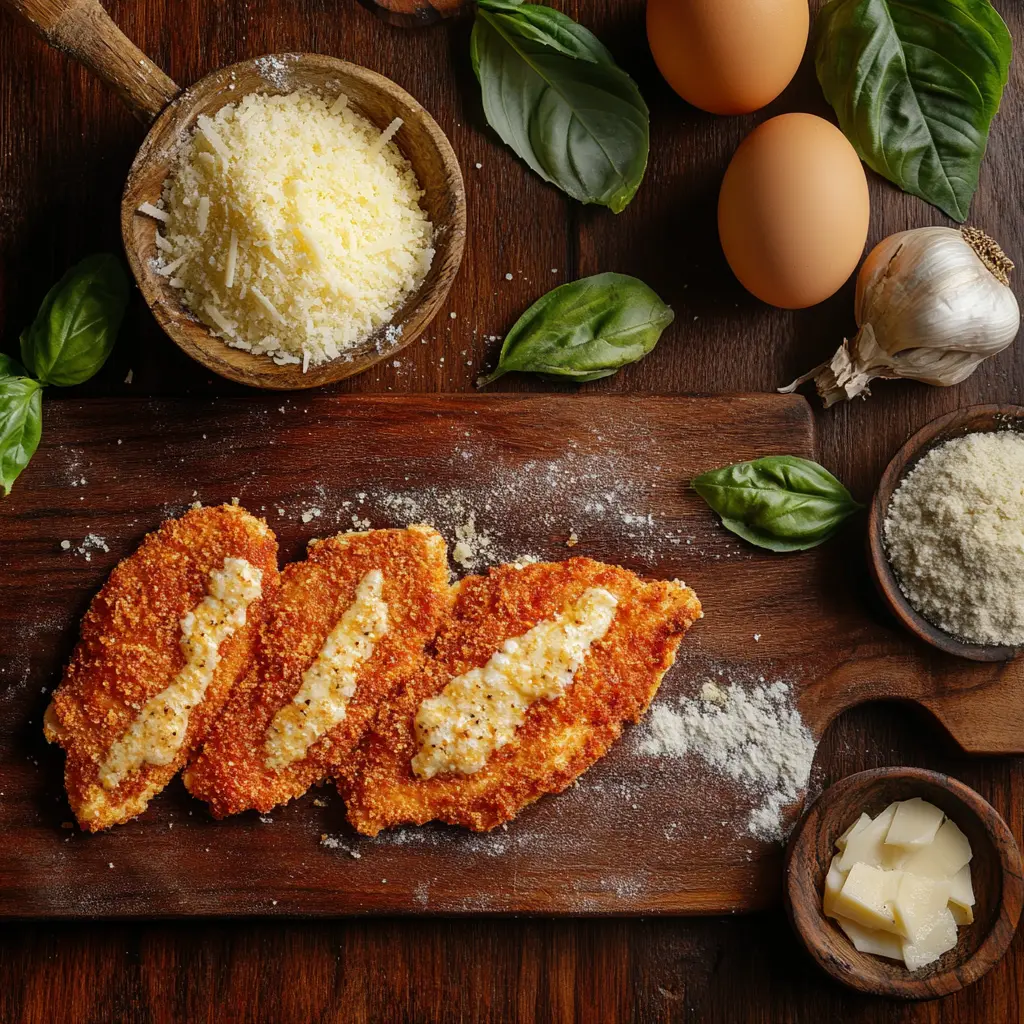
[
  {"x": 83, "y": 29},
  {"x": 412, "y": 13}
]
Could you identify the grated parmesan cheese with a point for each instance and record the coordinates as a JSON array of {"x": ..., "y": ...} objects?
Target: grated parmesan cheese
[
  {"x": 954, "y": 533},
  {"x": 294, "y": 226}
]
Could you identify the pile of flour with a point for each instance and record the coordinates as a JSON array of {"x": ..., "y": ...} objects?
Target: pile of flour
[{"x": 753, "y": 735}]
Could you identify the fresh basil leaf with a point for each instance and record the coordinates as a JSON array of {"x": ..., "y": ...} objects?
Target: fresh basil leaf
[
  {"x": 21, "y": 421},
  {"x": 77, "y": 324},
  {"x": 585, "y": 330},
  {"x": 552, "y": 28},
  {"x": 554, "y": 94},
  {"x": 782, "y": 502},
  {"x": 10, "y": 367},
  {"x": 916, "y": 84}
]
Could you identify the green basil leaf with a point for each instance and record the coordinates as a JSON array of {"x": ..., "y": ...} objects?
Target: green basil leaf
[
  {"x": 552, "y": 28},
  {"x": 10, "y": 367},
  {"x": 585, "y": 330},
  {"x": 21, "y": 421},
  {"x": 554, "y": 94},
  {"x": 77, "y": 324},
  {"x": 916, "y": 84},
  {"x": 782, "y": 502}
]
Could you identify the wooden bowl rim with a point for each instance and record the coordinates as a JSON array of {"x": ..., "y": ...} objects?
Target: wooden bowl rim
[
  {"x": 193, "y": 337},
  {"x": 809, "y": 921},
  {"x": 937, "y": 431}
]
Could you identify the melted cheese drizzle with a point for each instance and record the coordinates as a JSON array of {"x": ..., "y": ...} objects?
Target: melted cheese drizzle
[
  {"x": 479, "y": 712},
  {"x": 328, "y": 684},
  {"x": 156, "y": 736}
]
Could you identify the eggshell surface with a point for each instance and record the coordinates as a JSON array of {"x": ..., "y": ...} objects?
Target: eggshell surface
[
  {"x": 728, "y": 56},
  {"x": 793, "y": 211}
]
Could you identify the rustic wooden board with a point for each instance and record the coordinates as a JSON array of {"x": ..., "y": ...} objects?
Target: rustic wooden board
[{"x": 638, "y": 835}]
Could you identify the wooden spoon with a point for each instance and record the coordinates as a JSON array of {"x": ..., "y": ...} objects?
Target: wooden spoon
[{"x": 83, "y": 29}]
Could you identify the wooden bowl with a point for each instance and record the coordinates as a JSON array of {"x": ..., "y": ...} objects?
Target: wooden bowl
[
  {"x": 995, "y": 870},
  {"x": 378, "y": 99},
  {"x": 964, "y": 421}
]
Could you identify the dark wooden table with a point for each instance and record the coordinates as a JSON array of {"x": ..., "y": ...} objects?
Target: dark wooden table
[{"x": 65, "y": 145}]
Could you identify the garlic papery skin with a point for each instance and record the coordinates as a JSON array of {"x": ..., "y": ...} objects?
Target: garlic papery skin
[{"x": 932, "y": 303}]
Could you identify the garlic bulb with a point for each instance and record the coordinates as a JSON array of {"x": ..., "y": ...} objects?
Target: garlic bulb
[{"x": 932, "y": 303}]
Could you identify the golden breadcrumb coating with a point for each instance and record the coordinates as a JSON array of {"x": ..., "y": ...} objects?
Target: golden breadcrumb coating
[
  {"x": 559, "y": 739},
  {"x": 130, "y": 650},
  {"x": 232, "y": 774}
]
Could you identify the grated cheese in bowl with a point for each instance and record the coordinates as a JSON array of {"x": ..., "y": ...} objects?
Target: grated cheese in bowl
[{"x": 292, "y": 226}]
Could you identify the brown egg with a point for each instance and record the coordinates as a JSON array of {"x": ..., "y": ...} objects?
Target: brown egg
[
  {"x": 793, "y": 211},
  {"x": 728, "y": 56}
]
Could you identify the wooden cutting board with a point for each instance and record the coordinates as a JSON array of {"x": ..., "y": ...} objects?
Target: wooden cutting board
[{"x": 639, "y": 834}]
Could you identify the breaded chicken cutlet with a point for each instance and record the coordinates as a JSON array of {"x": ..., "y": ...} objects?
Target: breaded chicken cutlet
[
  {"x": 161, "y": 646},
  {"x": 349, "y": 624},
  {"x": 531, "y": 680}
]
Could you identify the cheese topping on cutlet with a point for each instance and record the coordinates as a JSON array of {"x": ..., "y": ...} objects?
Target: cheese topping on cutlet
[
  {"x": 156, "y": 736},
  {"x": 329, "y": 683},
  {"x": 479, "y": 711}
]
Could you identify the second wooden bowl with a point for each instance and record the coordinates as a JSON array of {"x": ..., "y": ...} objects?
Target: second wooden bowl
[
  {"x": 973, "y": 419},
  {"x": 995, "y": 871}
]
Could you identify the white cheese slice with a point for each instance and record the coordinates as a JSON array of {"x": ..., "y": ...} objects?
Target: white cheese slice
[
  {"x": 862, "y": 822},
  {"x": 867, "y": 897},
  {"x": 961, "y": 896},
  {"x": 871, "y": 940},
  {"x": 939, "y": 938},
  {"x": 833, "y": 886},
  {"x": 919, "y": 901},
  {"x": 947, "y": 853},
  {"x": 915, "y": 823},
  {"x": 479, "y": 711},
  {"x": 867, "y": 845},
  {"x": 156, "y": 735},
  {"x": 321, "y": 702}
]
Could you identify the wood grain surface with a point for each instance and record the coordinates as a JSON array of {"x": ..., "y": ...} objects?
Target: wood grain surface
[{"x": 66, "y": 147}]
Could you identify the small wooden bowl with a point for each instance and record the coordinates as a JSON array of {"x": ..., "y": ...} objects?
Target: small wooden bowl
[
  {"x": 995, "y": 869},
  {"x": 378, "y": 99},
  {"x": 977, "y": 418}
]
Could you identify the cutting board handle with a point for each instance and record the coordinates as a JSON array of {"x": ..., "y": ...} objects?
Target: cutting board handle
[
  {"x": 980, "y": 705},
  {"x": 83, "y": 29}
]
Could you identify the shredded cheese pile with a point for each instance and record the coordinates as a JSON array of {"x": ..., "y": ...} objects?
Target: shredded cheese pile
[{"x": 292, "y": 226}]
